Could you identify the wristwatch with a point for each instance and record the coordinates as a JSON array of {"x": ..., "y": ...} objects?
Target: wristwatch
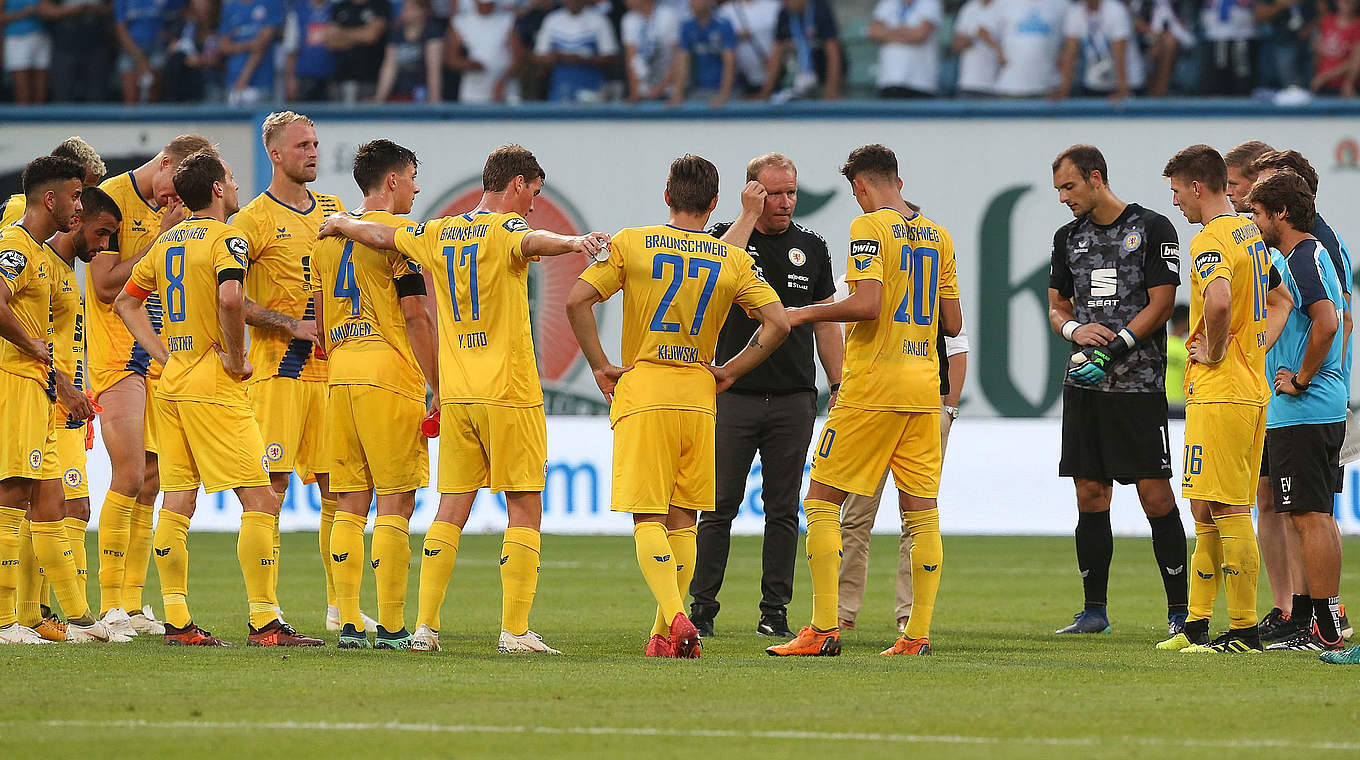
[
  {"x": 952, "y": 411},
  {"x": 1298, "y": 386}
]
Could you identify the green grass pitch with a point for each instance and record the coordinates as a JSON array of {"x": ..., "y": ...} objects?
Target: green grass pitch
[{"x": 999, "y": 684}]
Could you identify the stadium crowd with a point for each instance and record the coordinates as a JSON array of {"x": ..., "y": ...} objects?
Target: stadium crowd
[{"x": 247, "y": 52}]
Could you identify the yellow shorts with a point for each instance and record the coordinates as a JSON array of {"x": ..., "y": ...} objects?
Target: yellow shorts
[
  {"x": 664, "y": 458},
  {"x": 501, "y": 447},
  {"x": 71, "y": 460},
  {"x": 375, "y": 441},
  {"x": 149, "y": 421},
  {"x": 292, "y": 418},
  {"x": 857, "y": 445},
  {"x": 28, "y": 446},
  {"x": 213, "y": 445},
  {"x": 1222, "y": 460}
]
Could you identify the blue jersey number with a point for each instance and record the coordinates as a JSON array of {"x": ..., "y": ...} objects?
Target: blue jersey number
[
  {"x": 1194, "y": 460},
  {"x": 462, "y": 259},
  {"x": 174, "y": 289},
  {"x": 1260, "y": 262},
  {"x": 676, "y": 265},
  {"x": 918, "y": 304},
  {"x": 345, "y": 284}
]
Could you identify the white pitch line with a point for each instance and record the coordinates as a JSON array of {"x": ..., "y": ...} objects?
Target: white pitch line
[{"x": 837, "y": 736}]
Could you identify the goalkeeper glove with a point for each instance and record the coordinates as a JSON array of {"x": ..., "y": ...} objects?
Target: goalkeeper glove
[{"x": 1091, "y": 365}]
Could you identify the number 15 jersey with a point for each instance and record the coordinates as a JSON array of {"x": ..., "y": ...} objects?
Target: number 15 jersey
[
  {"x": 678, "y": 286},
  {"x": 891, "y": 362}
]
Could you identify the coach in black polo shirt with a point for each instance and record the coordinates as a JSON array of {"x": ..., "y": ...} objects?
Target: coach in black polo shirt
[{"x": 770, "y": 410}]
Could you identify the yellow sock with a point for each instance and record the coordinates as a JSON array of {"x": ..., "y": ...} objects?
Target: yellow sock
[
  {"x": 347, "y": 565},
  {"x": 255, "y": 552},
  {"x": 75, "y": 536},
  {"x": 519, "y": 578},
  {"x": 391, "y": 568},
  {"x": 824, "y": 559},
  {"x": 1241, "y": 564},
  {"x": 59, "y": 565},
  {"x": 657, "y": 560},
  {"x": 10, "y": 521},
  {"x": 274, "y": 566},
  {"x": 138, "y": 555},
  {"x": 436, "y": 566},
  {"x": 927, "y": 557},
  {"x": 684, "y": 548},
  {"x": 1204, "y": 564},
  {"x": 115, "y": 523},
  {"x": 26, "y": 605},
  {"x": 171, "y": 543},
  {"x": 323, "y": 541}
]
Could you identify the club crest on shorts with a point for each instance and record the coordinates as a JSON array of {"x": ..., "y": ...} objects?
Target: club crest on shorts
[
  {"x": 1132, "y": 241},
  {"x": 264, "y": 463},
  {"x": 73, "y": 478},
  {"x": 35, "y": 458},
  {"x": 273, "y": 452},
  {"x": 797, "y": 257}
]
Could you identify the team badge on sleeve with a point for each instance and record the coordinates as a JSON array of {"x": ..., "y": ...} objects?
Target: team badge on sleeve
[
  {"x": 240, "y": 250},
  {"x": 515, "y": 224},
  {"x": 863, "y": 253},
  {"x": 1206, "y": 262},
  {"x": 12, "y": 263}
]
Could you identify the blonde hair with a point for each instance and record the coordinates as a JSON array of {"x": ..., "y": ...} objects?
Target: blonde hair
[
  {"x": 767, "y": 161},
  {"x": 275, "y": 124},
  {"x": 184, "y": 146},
  {"x": 82, "y": 153}
]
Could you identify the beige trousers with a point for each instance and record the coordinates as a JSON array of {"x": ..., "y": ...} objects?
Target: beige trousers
[{"x": 857, "y": 521}]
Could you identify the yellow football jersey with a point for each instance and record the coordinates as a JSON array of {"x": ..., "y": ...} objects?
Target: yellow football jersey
[
  {"x": 364, "y": 331},
  {"x": 281, "y": 241},
  {"x": 891, "y": 362},
  {"x": 68, "y": 325},
  {"x": 678, "y": 286},
  {"x": 182, "y": 267},
  {"x": 13, "y": 209},
  {"x": 481, "y": 280},
  {"x": 1230, "y": 247},
  {"x": 111, "y": 346},
  {"x": 27, "y": 269}
]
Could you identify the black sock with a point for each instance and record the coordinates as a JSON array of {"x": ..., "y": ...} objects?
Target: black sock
[
  {"x": 1168, "y": 546},
  {"x": 1302, "y": 613},
  {"x": 1095, "y": 547},
  {"x": 1325, "y": 613},
  {"x": 1197, "y": 631}
]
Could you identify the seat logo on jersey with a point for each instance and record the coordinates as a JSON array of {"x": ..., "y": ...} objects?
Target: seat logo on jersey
[
  {"x": 1132, "y": 241},
  {"x": 35, "y": 458},
  {"x": 274, "y": 452},
  {"x": 797, "y": 257},
  {"x": 13, "y": 263},
  {"x": 1104, "y": 283},
  {"x": 863, "y": 253},
  {"x": 240, "y": 250},
  {"x": 73, "y": 478},
  {"x": 1205, "y": 263}
]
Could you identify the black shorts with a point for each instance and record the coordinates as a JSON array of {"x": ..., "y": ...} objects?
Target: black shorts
[
  {"x": 1114, "y": 436},
  {"x": 1305, "y": 466}
]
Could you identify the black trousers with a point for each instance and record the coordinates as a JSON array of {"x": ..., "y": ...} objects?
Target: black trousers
[{"x": 779, "y": 427}]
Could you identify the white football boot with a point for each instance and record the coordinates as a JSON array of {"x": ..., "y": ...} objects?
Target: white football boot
[
  {"x": 118, "y": 621},
  {"x": 530, "y": 642},
  {"x": 333, "y": 620},
  {"x": 144, "y": 622},
  {"x": 84, "y": 634},
  {"x": 19, "y": 634},
  {"x": 425, "y": 639}
]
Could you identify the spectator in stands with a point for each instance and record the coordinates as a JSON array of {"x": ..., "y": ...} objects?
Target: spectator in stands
[
  {"x": 357, "y": 36},
  {"x": 1103, "y": 32},
  {"x": 577, "y": 43},
  {"x": 1161, "y": 35},
  {"x": 413, "y": 66},
  {"x": 651, "y": 35},
  {"x": 1031, "y": 41},
  {"x": 308, "y": 63},
  {"x": 707, "y": 58},
  {"x": 1338, "y": 50},
  {"x": 1288, "y": 27},
  {"x": 82, "y": 48},
  {"x": 527, "y": 68},
  {"x": 250, "y": 32},
  {"x": 28, "y": 50},
  {"x": 142, "y": 27},
  {"x": 480, "y": 46},
  {"x": 193, "y": 69},
  {"x": 977, "y": 34},
  {"x": 1228, "y": 49},
  {"x": 909, "y": 59},
  {"x": 754, "y": 21},
  {"x": 807, "y": 29}
]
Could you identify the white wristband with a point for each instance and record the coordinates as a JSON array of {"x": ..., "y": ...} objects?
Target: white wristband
[{"x": 1069, "y": 327}]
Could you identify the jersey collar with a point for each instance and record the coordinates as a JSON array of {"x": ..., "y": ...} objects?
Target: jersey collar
[
  {"x": 682, "y": 229},
  {"x": 141, "y": 197},
  {"x": 304, "y": 212},
  {"x": 905, "y": 218}
]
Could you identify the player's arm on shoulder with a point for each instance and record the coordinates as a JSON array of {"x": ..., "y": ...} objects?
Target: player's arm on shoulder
[
  {"x": 537, "y": 243},
  {"x": 419, "y": 326},
  {"x": 372, "y": 234},
  {"x": 128, "y": 307},
  {"x": 109, "y": 272}
]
